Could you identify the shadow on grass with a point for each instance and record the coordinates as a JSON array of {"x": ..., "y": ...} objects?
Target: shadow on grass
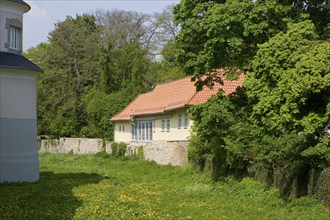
[{"x": 51, "y": 197}]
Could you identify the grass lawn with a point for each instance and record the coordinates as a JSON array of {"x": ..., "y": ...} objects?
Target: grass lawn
[{"x": 94, "y": 187}]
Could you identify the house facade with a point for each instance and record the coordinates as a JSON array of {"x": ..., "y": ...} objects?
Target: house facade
[
  {"x": 170, "y": 126},
  {"x": 160, "y": 122},
  {"x": 18, "y": 94}
]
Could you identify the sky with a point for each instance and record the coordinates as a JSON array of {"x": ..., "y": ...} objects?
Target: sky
[{"x": 40, "y": 20}]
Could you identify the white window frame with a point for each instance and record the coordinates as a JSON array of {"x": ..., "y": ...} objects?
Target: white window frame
[
  {"x": 139, "y": 133},
  {"x": 15, "y": 37},
  {"x": 186, "y": 121},
  {"x": 142, "y": 131},
  {"x": 163, "y": 125},
  {"x": 168, "y": 125},
  {"x": 179, "y": 121},
  {"x": 133, "y": 131},
  {"x": 151, "y": 129}
]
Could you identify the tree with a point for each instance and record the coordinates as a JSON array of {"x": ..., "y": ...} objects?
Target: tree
[
  {"x": 290, "y": 85},
  {"x": 162, "y": 31},
  {"x": 277, "y": 121},
  {"x": 99, "y": 109},
  {"x": 125, "y": 27},
  {"x": 317, "y": 10},
  {"x": 124, "y": 67},
  {"x": 69, "y": 62},
  {"x": 96, "y": 65},
  {"x": 38, "y": 55},
  {"x": 122, "y": 27},
  {"x": 226, "y": 34}
]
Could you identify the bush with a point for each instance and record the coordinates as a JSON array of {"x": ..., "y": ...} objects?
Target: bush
[
  {"x": 118, "y": 149},
  {"x": 198, "y": 152},
  {"x": 323, "y": 187},
  {"x": 122, "y": 149},
  {"x": 140, "y": 152}
]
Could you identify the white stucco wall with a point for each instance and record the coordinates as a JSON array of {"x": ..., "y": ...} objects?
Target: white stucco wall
[
  {"x": 18, "y": 126},
  {"x": 175, "y": 134},
  {"x": 18, "y": 94},
  {"x": 123, "y": 136}
]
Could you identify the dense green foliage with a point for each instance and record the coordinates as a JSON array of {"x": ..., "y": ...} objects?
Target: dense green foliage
[
  {"x": 95, "y": 65},
  {"x": 226, "y": 33},
  {"x": 275, "y": 127},
  {"x": 322, "y": 187},
  {"x": 118, "y": 149},
  {"x": 94, "y": 187}
]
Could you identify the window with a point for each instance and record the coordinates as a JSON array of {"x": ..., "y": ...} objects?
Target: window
[
  {"x": 186, "y": 120},
  {"x": 133, "y": 132},
  {"x": 142, "y": 131},
  {"x": 150, "y": 130},
  {"x": 14, "y": 38},
  {"x": 168, "y": 124},
  {"x": 121, "y": 128},
  {"x": 139, "y": 130},
  {"x": 163, "y": 125},
  {"x": 179, "y": 121},
  {"x": 147, "y": 130}
]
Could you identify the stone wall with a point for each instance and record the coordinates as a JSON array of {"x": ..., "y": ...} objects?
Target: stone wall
[
  {"x": 75, "y": 145},
  {"x": 173, "y": 153}
]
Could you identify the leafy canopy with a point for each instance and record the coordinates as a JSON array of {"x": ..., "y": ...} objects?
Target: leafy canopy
[{"x": 226, "y": 33}]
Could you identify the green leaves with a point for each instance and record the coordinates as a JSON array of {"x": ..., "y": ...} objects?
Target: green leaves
[
  {"x": 278, "y": 119},
  {"x": 290, "y": 81},
  {"x": 95, "y": 66},
  {"x": 225, "y": 33},
  {"x": 100, "y": 108}
]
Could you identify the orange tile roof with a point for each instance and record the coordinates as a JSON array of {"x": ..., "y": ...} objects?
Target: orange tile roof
[
  {"x": 173, "y": 95},
  {"x": 228, "y": 88}
]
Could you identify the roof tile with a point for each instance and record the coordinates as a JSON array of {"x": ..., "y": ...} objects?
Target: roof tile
[{"x": 173, "y": 95}]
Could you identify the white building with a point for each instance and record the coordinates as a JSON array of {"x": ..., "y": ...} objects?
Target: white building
[{"x": 18, "y": 117}]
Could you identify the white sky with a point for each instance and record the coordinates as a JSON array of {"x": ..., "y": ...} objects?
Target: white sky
[{"x": 40, "y": 20}]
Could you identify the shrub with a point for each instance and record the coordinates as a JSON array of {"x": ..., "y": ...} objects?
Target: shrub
[
  {"x": 104, "y": 147},
  {"x": 323, "y": 187},
  {"x": 118, "y": 149},
  {"x": 140, "y": 152},
  {"x": 198, "y": 152},
  {"x": 114, "y": 148},
  {"x": 122, "y": 149}
]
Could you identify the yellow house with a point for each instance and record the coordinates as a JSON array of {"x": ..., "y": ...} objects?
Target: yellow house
[{"x": 161, "y": 115}]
